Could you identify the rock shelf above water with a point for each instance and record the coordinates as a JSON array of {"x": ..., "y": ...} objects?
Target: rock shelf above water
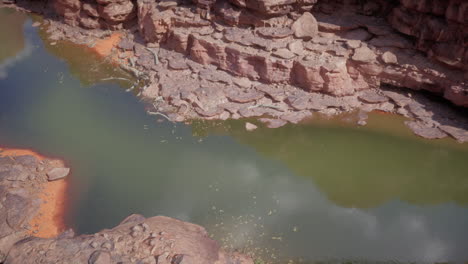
[{"x": 233, "y": 59}]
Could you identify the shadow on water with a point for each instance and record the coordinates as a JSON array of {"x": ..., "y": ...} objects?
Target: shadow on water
[{"x": 318, "y": 191}]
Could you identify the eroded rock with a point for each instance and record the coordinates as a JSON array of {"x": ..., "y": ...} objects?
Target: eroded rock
[
  {"x": 58, "y": 173},
  {"x": 305, "y": 27},
  {"x": 161, "y": 238},
  {"x": 424, "y": 130}
]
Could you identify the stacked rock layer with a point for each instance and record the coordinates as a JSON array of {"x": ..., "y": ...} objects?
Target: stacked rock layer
[{"x": 335, "y": 47}]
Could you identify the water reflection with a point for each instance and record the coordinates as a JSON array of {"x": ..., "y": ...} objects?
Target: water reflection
[
  {"x": 361, "y": 167},
  {"x": 310, "y": 192},
  {"x": 13, "y": 46}
]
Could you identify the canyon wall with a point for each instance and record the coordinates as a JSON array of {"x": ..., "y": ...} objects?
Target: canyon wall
[
  {"x": 284, "y": 59},
  {"x": 336, "y": 47}
]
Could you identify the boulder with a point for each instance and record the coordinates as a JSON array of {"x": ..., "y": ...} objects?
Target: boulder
[
  {"x": 364, "y": 55},
  {"x": 58, "y": 173},
  {"x": 250, "y": 126},
  {"x": 389, "y": 58},
  {"x": 118, "y": 12},
  {"x": 305, "y": 26}
]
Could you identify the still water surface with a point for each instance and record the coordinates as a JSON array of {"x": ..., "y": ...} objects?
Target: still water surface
[{"x": 317, "y": 191}]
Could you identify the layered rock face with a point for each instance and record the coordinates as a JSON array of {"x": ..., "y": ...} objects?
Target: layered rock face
[
  {"x": 440, "y": 28},
  {"x": 92, "y": 14},
  {"x": 286, "y": 59},
  {"x": 335, "y": 47}
]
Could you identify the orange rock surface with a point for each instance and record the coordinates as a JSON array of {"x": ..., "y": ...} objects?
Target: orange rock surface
[
  {"x": 4, "y": 152},
  {"x": 104, "y": 47},
  {"x": 49, "y": 220}
]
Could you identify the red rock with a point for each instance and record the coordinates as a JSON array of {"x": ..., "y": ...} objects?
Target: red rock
[
  {"x": 284, "y": 54},
  {"x": 266, "y": 7},
  {"x": 273, "y": 123},
  {"x": 308, "y": 75},
  {"x": 178, "y": 40},
  {"x": 178, "y": 64},
  {"x": 89, "y": 22},
  {"x": 244, "y": 97},
  {"x": 57, "y": 173},
  {"x": 389, "y": 57},
  {"x": 305, "y": 27},
  {"x": 235, "y": 16},
  {"x": 242, "y": 82},
  {"x": 372, "y": 97},
  {"x": 364, "y": 55},
  {"x": 337, "y": 80},
  {"x": 154, "y": 25},
  {"x": 460, "y": 134},
  {"x": 276, "y": 94},
  {"x": 441, "y": 38},
  {"x": 457, "y": 94},
  {"x": 69, "y": 10},
  {"x": 357, "y": 34},
  {"x": 275, "y": 32},
  {"x": 250, "y": 126},
  {"x": 338, "y": 62},
  {"x": 425, "y": 130},
  {"x": 296, "y": 47},
  {"x": 392, "y": 40},
  {"x": 90, "y": 9},
  {"x": 298, "y": 102},
  {"x": 296, "y": 117},
  {"x": 192, "y": 245},
  {"x": 118, "y": 12}
]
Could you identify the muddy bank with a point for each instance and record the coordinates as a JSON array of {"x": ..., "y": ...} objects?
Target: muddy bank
[
  {"x": 33, "y": 200},
  {"x": 233, "y": 61}
]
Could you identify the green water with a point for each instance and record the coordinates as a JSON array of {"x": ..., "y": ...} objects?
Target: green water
[{"x": 318, "y": 191}]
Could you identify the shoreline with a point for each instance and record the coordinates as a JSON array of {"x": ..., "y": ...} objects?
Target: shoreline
[
  {"x": 218, "y": 95},
  {"x": 180, "y": 87},
  {"x": 49, "y": 222},
  {"x": 33, "y": 193}
]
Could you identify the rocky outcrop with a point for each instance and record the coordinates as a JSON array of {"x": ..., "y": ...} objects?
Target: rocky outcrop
[
  {"x": 288, "y": 54},
  {"x": 265, "y": 8},
  {"x": 22, "y": 179},
  {"x": 339, "y": 48},
  {"x": 156, "y": 240},
  {"x": 105, "y": 14},
  {"x": 439, "y": 27}
]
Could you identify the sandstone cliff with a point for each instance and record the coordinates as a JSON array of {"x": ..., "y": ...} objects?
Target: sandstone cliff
[
  {"x": 285, "y": 58},
  {"x": 366, "y": 49}
]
